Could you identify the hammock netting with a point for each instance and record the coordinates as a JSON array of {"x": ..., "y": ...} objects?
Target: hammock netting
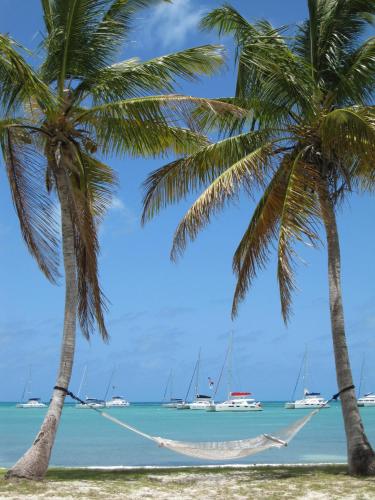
[{"x": 224, "y": 450}]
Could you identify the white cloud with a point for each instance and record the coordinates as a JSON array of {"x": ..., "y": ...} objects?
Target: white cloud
[
  {"x": 117, "y": 205},
  {"x": 170, "y": 23},
  {"x": 129, "y": 221}
]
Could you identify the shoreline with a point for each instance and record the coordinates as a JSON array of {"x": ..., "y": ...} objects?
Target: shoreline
[
  {"x": 255, "y": 482},
  {"x": 140, "y": 468}
]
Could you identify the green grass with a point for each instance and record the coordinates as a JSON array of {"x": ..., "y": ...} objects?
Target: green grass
[{"x": 329, "y": 482}]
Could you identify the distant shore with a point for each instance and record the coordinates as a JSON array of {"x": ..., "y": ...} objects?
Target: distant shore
[{"x": 247, "y": 482}]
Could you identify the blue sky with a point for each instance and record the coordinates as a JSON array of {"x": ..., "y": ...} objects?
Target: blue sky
[{"x": 162, "y": 313}]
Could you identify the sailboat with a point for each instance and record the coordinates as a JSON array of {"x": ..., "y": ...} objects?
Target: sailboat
[
  {"x": 310, "y": 400},
  {"x": 172, "y": 402},
  {"x": 31, "y": 402},
  {"x": 201, "y": 401},
  {"x": 237, "y": 401},
  {"x": 367, "y": 399},
  {"x": 115, "y": 401},
  {"x": 184, "y": 405},
  {"x": 89, "y": 402}
]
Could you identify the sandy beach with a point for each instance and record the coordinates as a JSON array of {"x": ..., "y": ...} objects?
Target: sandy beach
[{"x": 308, "y": 482}]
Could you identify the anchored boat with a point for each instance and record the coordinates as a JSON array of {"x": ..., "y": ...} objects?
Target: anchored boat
[
  {"x": 117, "y": 402},
  {"x": 32, "y": 403},
  {"x": 238, "y": 401}
]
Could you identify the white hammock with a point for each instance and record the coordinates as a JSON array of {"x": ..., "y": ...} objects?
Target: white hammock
[{"x": 223, "y": 450}]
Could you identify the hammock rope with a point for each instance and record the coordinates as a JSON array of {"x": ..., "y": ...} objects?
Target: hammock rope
[{"x": 218, "y": 450}]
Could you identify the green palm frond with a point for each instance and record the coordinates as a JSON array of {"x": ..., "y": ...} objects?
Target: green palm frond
[
  {"x": 115, "y": 26},
  {"x": 17, "y": 79},
  {"x": 172, "y": 109},
  {"x": 331, "y": 32},
  {"x": 71, "y": 24},
  {"x": 349, "y": 132},
  {"x": 133, "y": 78},
  {"x": 175, "y": 181},
  {"x": 227, "y": 20},
  {"x": 253, "y": 252},
  {"x": 142, "y": 139},
  {"x": 298, "y": 223},
  {"x": 36, "y": 211},
  {"x": 357, "y": 78},
  {"x": 249, "y": 173}
]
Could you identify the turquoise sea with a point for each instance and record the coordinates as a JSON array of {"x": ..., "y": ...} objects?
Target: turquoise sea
[{"x": 86, "y": 439}]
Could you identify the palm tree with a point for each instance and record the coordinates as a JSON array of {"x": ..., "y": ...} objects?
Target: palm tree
[
  {"x": 307, "y": 141},
  {"x": 95, "y": 108}
]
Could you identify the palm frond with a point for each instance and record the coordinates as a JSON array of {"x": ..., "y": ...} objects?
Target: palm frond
[
  {"x": 332, "y": 31},
  {"x": 142, "y": 139},
  {"x": 17, "y": 79},
  {"x": 298, "y": 223},
  {"x": 253, "y": 252},
  {"x": 114, "y": 27},
  {"x": 69, "y": 54},
  {"x": 170, "y": 109},
  {"x": 249, "y": 173},
  {"x": 349, "y": 132},
  {"x": 90, "y": 188},
  {"x": 36, "y": 212},
  {"x": 226, "y": 20},
  {"x": 134, "y": 78},
  {"x": 356, "y": 80},
  {"x": 173, "y": 182}
]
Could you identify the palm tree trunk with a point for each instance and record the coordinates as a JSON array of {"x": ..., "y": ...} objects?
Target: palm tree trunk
[
  {"x": 34, "y": 463},
  {"x": 361, "y": 458}
]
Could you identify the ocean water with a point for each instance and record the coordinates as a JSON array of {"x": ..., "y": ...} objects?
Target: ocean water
[{"x": 86, "y": 439}]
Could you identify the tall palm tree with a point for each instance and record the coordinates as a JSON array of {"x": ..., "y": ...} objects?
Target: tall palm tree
[
  {"x": 99, "y": 108},
  {"x": 307, "y": 141}
]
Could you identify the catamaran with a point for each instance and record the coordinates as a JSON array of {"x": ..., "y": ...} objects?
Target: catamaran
[
  {"x": 367, "y": 399},
  {"x": 89, "y": 402},
  {"x": 238, "y": 401},
  {"x": 310, "y": 400},
  {"x": 201, "y": 401},
  {"x": 32, "y": 403},
  {"x": 117, "y": 402},
  {"x": 172, "y": 402}
]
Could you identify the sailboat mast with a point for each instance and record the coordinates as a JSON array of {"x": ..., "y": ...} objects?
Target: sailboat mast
[
  {"x": 27, "y": 386},
  {"x": 230, "y": 364},
  {"x": 171, "y": 387},
  {"x": 167, "y": 385},
  {"x": 197, "y": 373},
  {"x": 82, "y": 381},
  {"x": 191, "y": 381},
  {"x": 305, "y": 374},
  {"x": 109, "y": 383}
]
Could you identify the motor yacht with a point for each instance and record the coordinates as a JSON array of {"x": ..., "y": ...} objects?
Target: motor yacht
[
  {"x": 117, "y": 402},
  {"x": 201, "y": 402},
  {"x": 310, "y": 400},
  {"x": 367, "y": 400},
  {"x": 238, "y": 401},
  {"x": 32, "y": 403}
]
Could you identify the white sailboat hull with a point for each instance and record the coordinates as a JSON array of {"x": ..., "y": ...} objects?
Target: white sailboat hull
[
  {"x": 200, "y": 405},
  {"x": 306, "y": 405},
  {"x": 28, "y": 405}
]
